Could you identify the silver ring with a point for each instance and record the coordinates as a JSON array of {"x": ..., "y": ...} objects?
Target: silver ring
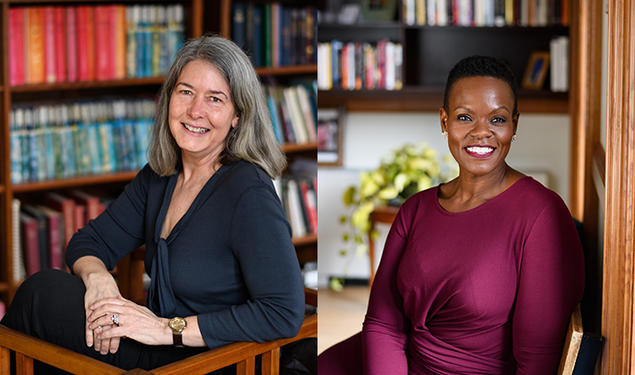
[{"x": 115, "y": 319}]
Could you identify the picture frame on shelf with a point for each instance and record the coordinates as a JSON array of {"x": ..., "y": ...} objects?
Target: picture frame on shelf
[
  {"x": 378, "y": 10},
  {"x": 536, "y": 70},
  {"x": 329, "y": 133}
]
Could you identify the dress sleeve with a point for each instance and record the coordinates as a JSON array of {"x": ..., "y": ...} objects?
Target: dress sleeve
[
  {"x": 118, "y": 230},
  {"x": 550, "y": 284},
  {"x": 261, "y": 241},
  {"x": 385, "y": 332}
]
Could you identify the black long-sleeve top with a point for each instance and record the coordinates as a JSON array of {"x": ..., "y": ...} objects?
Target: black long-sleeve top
[{"x": 229, "y": 260}]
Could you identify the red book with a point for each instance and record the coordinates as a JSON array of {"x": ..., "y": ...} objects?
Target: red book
[
  {"x": 48, "y": 17},
  {"x": 30, "y": 244},
  {"x": 85, "y": 43},
  {"x": 35, "y": 45},
  {"x": 67, "y": 207},
  {"x": 55, "y": 232},
  {"x": 91, "y": 203},
  {"x": 59, "y": 30},
  {"x": 79, "y": 217},
  {"x": 104, "y": 55},
  {"x": 17, "y": 52},
  {"x": 71, "y": 44},
  {"x": 308, "y": 197}
]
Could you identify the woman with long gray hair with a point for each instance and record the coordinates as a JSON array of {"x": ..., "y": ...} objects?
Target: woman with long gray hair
[{"x": 218, "y": 246}]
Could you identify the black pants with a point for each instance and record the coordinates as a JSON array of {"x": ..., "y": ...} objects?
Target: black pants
[{"x": 50, "y": 305}]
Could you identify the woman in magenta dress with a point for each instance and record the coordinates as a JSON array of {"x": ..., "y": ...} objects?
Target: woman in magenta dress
[{"x": 478, "y": 275}]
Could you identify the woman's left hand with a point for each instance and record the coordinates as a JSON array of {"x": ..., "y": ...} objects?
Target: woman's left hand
[{"x": 134, "y": 321}]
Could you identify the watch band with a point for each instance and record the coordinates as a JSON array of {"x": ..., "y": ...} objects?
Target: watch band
[{"x": 177, "y": 340}]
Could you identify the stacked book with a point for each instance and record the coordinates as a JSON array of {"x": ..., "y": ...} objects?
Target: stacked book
[
  {"x": 66, "y": 140},
  {"x": 298, "y": 197},
  {"x": 293, "y": 111},
  {"x": 275, "y": 35},
  {"x": 42, "y": 230},
  {"x": 357, "y": 66},
  {"x": 84, "y": 43},
  {"x": 297, "y": 192},
  {"x": 485, "y": 12}
]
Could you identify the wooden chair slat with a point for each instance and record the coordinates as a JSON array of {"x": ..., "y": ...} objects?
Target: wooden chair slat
[{"x": 271, "y": 362}]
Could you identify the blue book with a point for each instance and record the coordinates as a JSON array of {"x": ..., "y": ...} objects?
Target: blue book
[
  {"x": 140, "y": 40},
  {"x": 238, "y": 28},
  {"x": 259, "y": 36},
  {"x": 15, "y": 128},
  {"x": 285, "y": 32},
  {"x": 336, "y": 47},
  {"x": 49, "y": 151},
  {"x": 275, "y": 119}
]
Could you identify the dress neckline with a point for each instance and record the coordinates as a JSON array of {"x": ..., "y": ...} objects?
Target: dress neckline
[{"x": 498, "y": 197}]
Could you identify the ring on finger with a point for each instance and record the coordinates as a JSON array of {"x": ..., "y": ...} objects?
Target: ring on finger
[{"x": 115, "y": 319}]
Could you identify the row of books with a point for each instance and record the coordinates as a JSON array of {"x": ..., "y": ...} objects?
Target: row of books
[
  {"x": 273, "y": 34},
  {"x": 42, "y": 231},
  {"x": 83, "y": 43},
  {"x": 299, "y": 200},
  {"x": 356, "y": 65},
  {"x": 485, "y": 12},
  {"x": 559, "y": 66},
  {"x": 293, "y": 112},
  {"x": 67, "y": 140}
]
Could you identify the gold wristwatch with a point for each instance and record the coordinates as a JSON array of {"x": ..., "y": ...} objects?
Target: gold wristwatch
[{"x": 177, "y": 325}]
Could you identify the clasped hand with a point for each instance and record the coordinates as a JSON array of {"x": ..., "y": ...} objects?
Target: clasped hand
[{"x": 134, "y": 321}]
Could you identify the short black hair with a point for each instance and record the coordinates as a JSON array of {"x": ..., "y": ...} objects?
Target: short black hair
[{"x": 482, "y": 66}]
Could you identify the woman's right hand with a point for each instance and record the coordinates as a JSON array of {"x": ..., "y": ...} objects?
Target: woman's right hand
[{"x": 100, "y": 285}]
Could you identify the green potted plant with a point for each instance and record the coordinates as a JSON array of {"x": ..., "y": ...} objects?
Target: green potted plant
[{"x": 406, "y": 171}]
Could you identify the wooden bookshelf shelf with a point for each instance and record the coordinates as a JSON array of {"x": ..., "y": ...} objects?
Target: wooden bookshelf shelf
[
  {"x": 4, "y": 287},
  {"x": 287, "y": 70},
  {"x": 415, "y": 99},
  {"x": 299, "y": 147},
  {"x": 75, "y": 182},
  {"x": 305, "y": 240},
  {"x": 71, "y": 86},
  {"x": 1, "y": 189}
]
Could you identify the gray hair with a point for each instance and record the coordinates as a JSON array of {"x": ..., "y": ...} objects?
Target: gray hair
[{"x": 251, "y": 140}]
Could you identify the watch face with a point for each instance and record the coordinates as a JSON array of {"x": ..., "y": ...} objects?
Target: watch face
[{"x": 177, "y": 324}]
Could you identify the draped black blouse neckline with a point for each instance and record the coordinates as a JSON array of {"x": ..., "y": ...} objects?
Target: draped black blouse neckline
[{"x": 161, "y": 298}]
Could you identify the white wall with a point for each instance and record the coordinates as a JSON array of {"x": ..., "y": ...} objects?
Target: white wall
[{"x": 542, "y": 146}]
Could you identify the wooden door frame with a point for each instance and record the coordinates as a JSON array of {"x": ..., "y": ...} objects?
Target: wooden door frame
[
  {"x": 619, "y": 229},
  {"x": 589, "y": 181}
]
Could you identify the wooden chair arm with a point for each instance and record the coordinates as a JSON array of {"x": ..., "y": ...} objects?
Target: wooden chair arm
[
  {"x": 242, "y": 353},
  {"x": 28, "y": 348}
]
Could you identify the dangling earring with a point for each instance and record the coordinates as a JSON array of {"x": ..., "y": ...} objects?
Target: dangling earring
[
  {"x": 514, "y": 138},
  {"x": 444, "y": 133}
]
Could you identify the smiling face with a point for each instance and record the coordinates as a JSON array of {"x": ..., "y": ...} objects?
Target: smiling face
[
  {"x": 201, "y": 110},
  {"x": 480, "y": 124}
]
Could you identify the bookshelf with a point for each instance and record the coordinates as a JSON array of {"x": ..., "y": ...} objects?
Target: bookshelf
[
  {"x": 429, "y": 52},
  {"x": 200, "y": 16}
]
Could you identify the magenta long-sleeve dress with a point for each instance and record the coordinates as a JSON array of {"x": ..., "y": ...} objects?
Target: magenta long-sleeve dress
[{"x": 484, "y": 291}]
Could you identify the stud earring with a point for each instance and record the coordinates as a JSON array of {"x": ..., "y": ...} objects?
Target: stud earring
[
  {"x": 444, "y": 133},
  {"x": 514, "y": 138}
]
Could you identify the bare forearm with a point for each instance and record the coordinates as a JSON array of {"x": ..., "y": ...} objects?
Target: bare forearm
[{"x": 89, "y": 267}]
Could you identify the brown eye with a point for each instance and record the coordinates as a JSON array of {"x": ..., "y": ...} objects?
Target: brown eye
[{"x": 463, "y": 118}]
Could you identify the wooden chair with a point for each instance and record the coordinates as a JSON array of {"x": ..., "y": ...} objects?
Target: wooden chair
[
  {"x": 129, "y": 274},
  {"x": 580, "y": 351}
]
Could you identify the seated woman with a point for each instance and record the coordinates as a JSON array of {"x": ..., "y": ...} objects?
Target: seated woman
[
  {"x": 478, "y": 275},
  {"x": 218, "y": 246}
]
